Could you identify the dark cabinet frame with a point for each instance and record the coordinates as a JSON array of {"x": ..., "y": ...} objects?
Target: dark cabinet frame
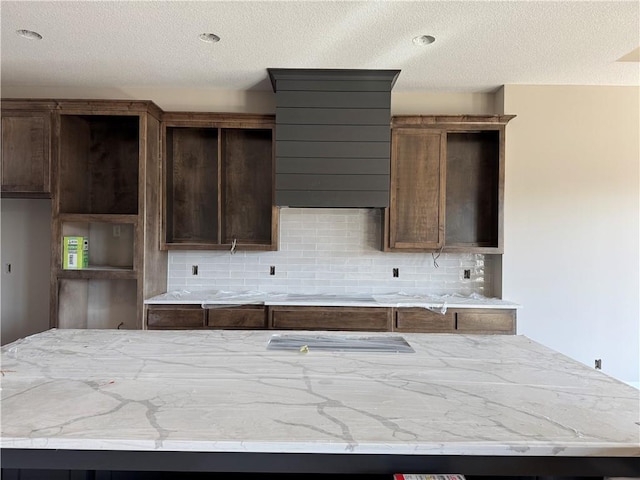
[
  {"x": 447, "y": 177},
  {"x": 218, "y": 182}
]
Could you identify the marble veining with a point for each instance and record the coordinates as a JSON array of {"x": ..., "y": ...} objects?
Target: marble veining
[{"x": 216, "y": 390}]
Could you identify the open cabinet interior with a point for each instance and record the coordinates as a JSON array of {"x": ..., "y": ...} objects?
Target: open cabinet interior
[
  {"x": 472, "y": 189},
  {"x": 97, "y": 303},
  {"x": 99, "y": 164},
  {"x": 218, "y": 182}
]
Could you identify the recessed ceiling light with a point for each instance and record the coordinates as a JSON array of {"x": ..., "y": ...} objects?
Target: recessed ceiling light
[
  {"x": 31, "y": 35},
  {"x": 424, "y": 40},
  {"x": 209, "y": 37}
]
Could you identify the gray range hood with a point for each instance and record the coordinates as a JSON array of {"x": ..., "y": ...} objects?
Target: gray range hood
[{"x": 333, "y": 137}]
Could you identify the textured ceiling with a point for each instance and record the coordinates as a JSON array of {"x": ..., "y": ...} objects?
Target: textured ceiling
[{"x": 479, "y": 45}]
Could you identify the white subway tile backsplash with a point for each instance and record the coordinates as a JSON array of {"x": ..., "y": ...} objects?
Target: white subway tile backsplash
[{"x": 330, "y": 251}]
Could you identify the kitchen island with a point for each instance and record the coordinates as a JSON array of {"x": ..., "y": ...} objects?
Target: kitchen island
[{"x": 222, "y": 401}]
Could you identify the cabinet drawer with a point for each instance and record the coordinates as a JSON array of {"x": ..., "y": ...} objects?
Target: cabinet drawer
[
  {"x": 486, "y": 321},
  {"x": 176, "y": 317},
  {"x": 237, "y": 317},
  {"x": 331, "y": 318},
  {"x": 424, "y": 321}
]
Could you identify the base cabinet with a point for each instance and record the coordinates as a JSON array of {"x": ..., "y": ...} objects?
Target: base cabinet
[
  {"x": 459, "y": 320},
  {"x": 179, "y": 317},
  {"x": 486, "y": 321},
  {"x": 330, "y": 318},
  {"x": 357, "y": 319},
  {"x": 176, "y": 317},
  {"x": 424, "y": 321},
  {"x": 240, "y": 317}
]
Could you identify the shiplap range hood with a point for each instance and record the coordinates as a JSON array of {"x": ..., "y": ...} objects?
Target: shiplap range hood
[{"x": 332, "y": 137}]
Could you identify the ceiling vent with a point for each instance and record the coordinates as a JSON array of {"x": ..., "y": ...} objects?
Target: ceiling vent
[{"x": 333, "y": 137}]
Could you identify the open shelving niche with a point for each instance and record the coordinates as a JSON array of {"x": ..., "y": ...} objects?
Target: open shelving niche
[{"x": 109, "y": 192}]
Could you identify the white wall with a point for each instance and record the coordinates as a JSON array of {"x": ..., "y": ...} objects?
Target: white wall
[
  {"x": 26, "y": 245},
  {"x": 572, "y": 219}
]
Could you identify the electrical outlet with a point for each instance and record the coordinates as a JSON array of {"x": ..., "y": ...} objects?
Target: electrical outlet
[
  {"x": 467, "y": 274},
  {"x": 396, "y": 272},
  {"x": 116, "y": 231},
  {"x": 598, "y": 364},
  {"x": 194, "y": 269},
  {"x": 272, "y": 270}
]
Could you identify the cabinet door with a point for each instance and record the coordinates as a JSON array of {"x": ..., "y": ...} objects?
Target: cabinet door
[
  {"x": 331, "y": 318},
  {"x": 246, "y": 316},
  {"x": 424, "y": 321},
  {"x": 486, "y": 321},
  {"x": 176, "y": 317},
  {"x": 417, "y": 189},
  {"x": 26, "y": 153}
]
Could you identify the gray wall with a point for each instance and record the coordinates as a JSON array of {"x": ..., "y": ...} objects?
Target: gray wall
[{"x": 26, "y": 245}]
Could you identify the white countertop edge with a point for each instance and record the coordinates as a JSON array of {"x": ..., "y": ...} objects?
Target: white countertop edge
[
  {"x": 519, "y": 449},
  {"x": 324, "y": 303},
  {"x": 207, "y": 298},
  {"x": 436, "y": 306}
]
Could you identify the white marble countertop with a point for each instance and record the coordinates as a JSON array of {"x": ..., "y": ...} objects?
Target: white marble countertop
[
  {"x": 221, "y": 297},
  {"x": 224, "y": 391}
]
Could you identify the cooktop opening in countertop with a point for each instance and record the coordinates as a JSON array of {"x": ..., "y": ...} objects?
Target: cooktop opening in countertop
[{"x": 307, "y": 342}]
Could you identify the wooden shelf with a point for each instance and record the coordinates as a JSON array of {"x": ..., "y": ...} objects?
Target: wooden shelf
[
  {"x": 98, "y": 272},
  {"x": 97, "y": 218}
]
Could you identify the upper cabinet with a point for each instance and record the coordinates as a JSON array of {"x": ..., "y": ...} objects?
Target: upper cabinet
[
  {"x": 218, "y": 182},
  {"x": 26, "y": 149},
  {"x": 447, "y": 184}
]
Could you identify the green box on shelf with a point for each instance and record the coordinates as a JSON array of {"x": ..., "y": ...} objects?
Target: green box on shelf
[{"x": 75, "y": 253}]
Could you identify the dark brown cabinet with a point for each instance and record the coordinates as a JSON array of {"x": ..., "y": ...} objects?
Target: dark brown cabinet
[
  {"x": 177, "y": 317},
  {"x": 330, "y": 318},
  {"x": 423, "y": 320},
  {"x": 456, "y": 320},
  {"x": 447, "y": 184},
  {"x": 218, "y": 182},
  {"x": 26, "y": 149},
  {"x": 486, "y": 321},
  {"x": 339, "y": 318},
  {"x": 107, "y": 191}
]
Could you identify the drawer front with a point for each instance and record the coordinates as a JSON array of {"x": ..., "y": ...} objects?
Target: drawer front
[
  {"x": 176, "y": 318},
  {"x": 237, "y": 317},
  {"x": 486, "y": 321},
  {"x": 424, "y": 321},
  {"x": 331, "y": 318}
]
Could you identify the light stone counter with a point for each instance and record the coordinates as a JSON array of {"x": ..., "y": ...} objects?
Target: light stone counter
[
  {"x": 224, "y": 391},
  {"x": 221, "y": 297}
]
